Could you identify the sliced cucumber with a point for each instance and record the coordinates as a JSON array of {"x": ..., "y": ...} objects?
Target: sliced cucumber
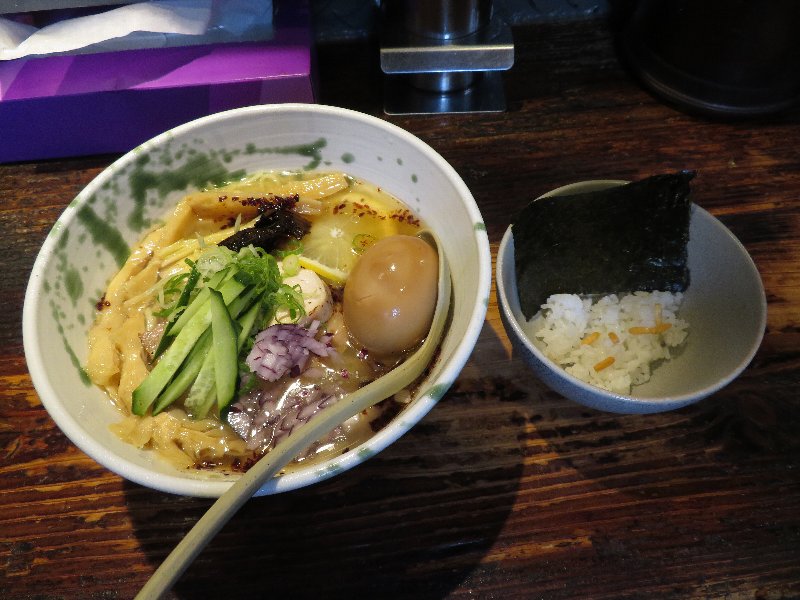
[
  {"x": 191, "y": 367},
  {"x": 226, "y": 351},
  {"x": 183, "y": 300},
  {"x": 219, "y": 373},
  {"x": 243, "y": 302},
  {"x": 171, "y": 360},
  {"x": 224, "y": 282},
  {"x": 176, "y": 353},
  {"x": 203, "y": 391},
  {"x": 186, "y": 374},
  {"x": 246, "y": 323}
]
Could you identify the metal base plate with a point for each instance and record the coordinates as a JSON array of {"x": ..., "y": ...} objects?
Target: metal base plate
[{"x": 485, "y": 95}]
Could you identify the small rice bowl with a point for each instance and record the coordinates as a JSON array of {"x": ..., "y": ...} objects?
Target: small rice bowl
[{"x": 613, "y": 342}]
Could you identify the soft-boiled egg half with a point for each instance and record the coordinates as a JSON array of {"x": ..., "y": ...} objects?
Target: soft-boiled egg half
[{"x": 390, "y": 295}]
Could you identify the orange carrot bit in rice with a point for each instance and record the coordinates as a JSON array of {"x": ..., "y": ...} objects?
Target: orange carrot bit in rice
[
  {"x": 591, "y": 338},
  {"x": 614, "y": 337},
  {"x": 605, "y": 363},
  {"x": 660, "y": 328}
]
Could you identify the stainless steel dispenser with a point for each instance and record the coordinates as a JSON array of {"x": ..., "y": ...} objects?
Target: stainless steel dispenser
[{"x": 443, "y": 56}]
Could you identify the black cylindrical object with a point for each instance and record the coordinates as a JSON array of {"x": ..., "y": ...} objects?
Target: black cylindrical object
[{"x": 722, "y": 57}]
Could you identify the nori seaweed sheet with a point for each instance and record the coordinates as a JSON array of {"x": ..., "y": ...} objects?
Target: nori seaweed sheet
[{"x": 619, "y": 240}]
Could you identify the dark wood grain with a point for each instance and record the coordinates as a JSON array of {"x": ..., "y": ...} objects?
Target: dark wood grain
[{"x": 505, "y": 490}]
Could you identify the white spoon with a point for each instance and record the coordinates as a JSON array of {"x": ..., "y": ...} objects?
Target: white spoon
[{"x": 272, "y": 462}]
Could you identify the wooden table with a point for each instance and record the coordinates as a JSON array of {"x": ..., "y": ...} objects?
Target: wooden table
[{"x": 505, "y": 490}]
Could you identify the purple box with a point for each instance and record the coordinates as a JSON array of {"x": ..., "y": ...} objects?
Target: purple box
[{"x": 111, "y": 102}]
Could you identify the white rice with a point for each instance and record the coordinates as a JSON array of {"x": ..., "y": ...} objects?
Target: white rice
[{"x": 564, "y": 330}]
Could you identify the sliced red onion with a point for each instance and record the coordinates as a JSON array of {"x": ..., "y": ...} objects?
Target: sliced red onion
[{"x": 286, "y": 349}]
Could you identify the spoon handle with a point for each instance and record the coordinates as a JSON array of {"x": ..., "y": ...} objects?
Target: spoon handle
[
  {"x": 241, "y": 491},
  {"x": 271, "y": 463}
]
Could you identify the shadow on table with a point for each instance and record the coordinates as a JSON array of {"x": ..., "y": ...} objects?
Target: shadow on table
[
  {"x": 414, "y": 521},
  {"x": 695, "y": 494}
]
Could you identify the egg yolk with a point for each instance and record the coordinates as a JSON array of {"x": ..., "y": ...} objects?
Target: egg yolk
[{"x": 390, "y": 295}]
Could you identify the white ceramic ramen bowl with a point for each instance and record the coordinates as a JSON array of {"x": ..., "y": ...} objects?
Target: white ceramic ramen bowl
[
  {"x": 724, "y": 305},
  {"x": 91, "y": 238}
]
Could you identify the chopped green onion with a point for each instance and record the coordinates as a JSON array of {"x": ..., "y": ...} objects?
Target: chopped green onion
[
  {"x": 291, "y": 265},
  {"x": 292, "y": 247}
]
